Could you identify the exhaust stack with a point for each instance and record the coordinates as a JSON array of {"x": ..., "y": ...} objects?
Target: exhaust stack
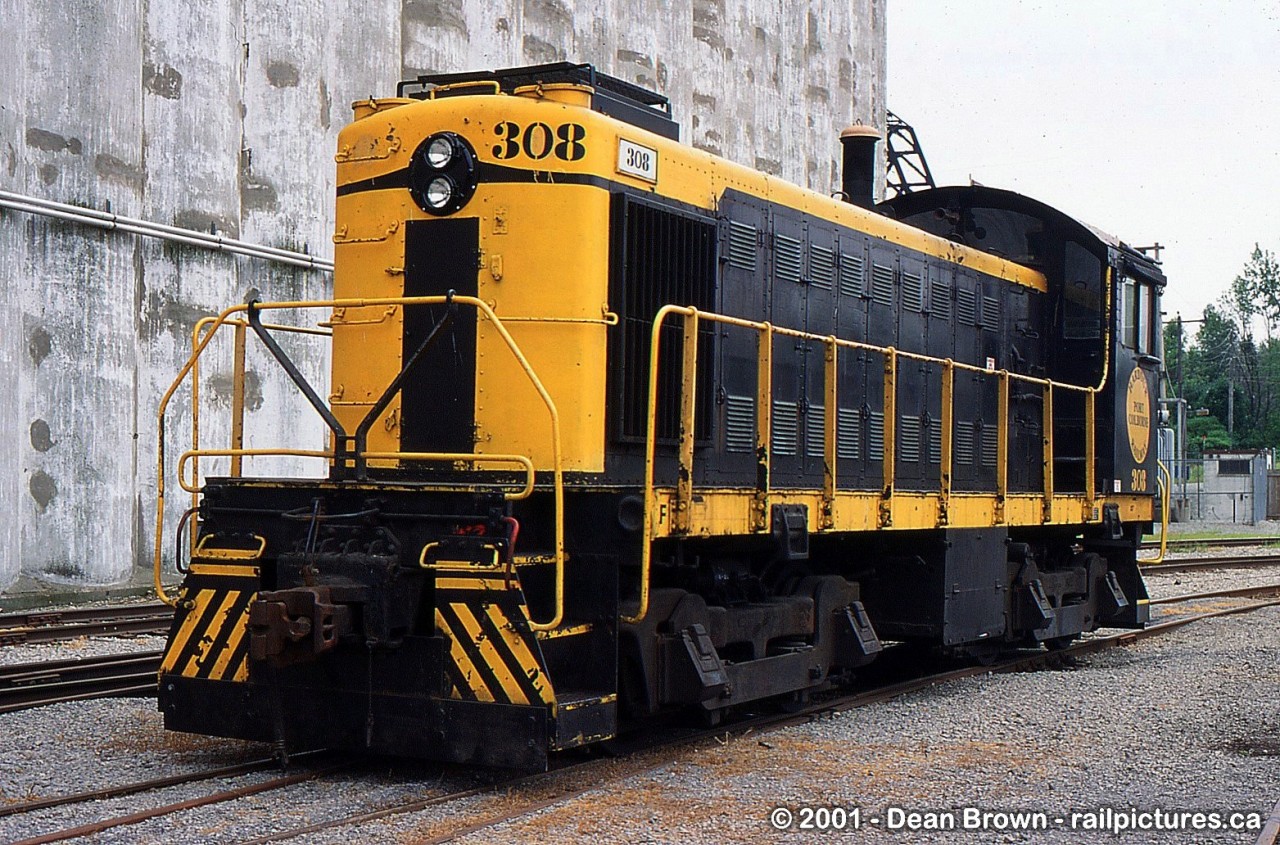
[{"x": 858, "y": 175}]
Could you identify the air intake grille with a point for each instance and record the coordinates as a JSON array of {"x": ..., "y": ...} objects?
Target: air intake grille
[
  {"x": 966, "y": 307},
  {"x": 786, "y": 428},
  {"x": 815, "y": 431},
  {"x": 875, "y": 437},
  {"x": 909, "y": 439},
  {"x": 990, "y": 447},
  {"x": 940, "y": 299},
  {"x": 667, "y": 258},
  {"x": 739, "y": 424},
  {"x": 742, "y": 245},
  {"x": 962, "y": 443},
  {"x": 848, "y": 434},
  {"x": 912, "y": 292},
  {"x": 851, "y": 279},
  {"x": 882, "y": 284},
  {"x": 991, "y": 313},
  {"x": 787, "y": 254},
  {"x": 822, "y": 267},
  {"x": 935, "y": 441}
]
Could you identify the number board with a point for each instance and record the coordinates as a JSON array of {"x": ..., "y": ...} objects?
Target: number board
[{"x": 638, "y": 161}]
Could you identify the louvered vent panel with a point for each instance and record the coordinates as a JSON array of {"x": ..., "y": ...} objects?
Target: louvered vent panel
[
  {"x": 991, "y": 313},
  {"x": 786, "y": 259},
  {"x": 786, "y": 428},
  {"x": 848, "y": 434},
  {"x": 740, "y": 424},
  {"x": 966, "y": 307},
  {"x": 962, "y": 443},
  {"x": 909, "y": 439},
  {"x": 935, "y": 441},
  {"x": 742, "y": 245},
  {"x": 875, "y": 437},
  {"x": 882, "y": 284},
  {"x": 822, "y": 267},
  {"x": 912, "y": 291},
  {"x": 851, "y": 277},
  {"x": 940, "y": 299},
  {"x": 815, "y": 431},
  {"x": 989, "y": 446}
]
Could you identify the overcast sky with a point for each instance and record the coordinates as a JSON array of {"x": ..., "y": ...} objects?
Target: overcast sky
[{"x": 1154, "y": 121}]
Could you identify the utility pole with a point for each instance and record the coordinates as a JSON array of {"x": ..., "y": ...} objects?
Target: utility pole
[{"x": 1231, "y": 410}]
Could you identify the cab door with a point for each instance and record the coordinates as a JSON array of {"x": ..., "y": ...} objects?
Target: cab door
[{"x": 1136, "y": 393}]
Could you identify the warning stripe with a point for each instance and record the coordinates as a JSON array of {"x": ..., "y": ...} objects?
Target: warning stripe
[
  {"x": 496, "y": 663},
  {"x": 480, "y": 664},
  {"x": 466, "y": 676},
  {"x": 209, "y": 636},
  {"x": 233, "y": 628},
  {"x": 524, "y": 663},
  {"x": 178, "y": 642}
]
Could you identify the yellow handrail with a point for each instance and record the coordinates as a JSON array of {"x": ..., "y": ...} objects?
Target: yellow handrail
[
  {"x": 1165, "y": 483},
  {"x": 682, "y": 518},
  {"x": 228, "y": 316}
]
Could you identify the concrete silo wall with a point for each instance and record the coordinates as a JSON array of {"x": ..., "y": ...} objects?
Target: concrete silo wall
[{"x": 222, "y": 117}]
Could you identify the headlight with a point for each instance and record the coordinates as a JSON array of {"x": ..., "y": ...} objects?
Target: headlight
[
  {"x": 443, "y": 173},
  {"x": 440, "y": 193}
]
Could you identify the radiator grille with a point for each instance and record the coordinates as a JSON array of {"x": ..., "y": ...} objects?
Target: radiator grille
[{"x": 667, "y": 258}]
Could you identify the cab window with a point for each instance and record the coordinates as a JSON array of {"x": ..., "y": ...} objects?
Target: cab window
[
  {"x": 1082, "y": 295},
  {"x": 1137, "y": 316}
]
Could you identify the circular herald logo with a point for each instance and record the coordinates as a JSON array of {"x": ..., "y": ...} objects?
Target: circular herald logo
[{"x": 1138, "y": 415}]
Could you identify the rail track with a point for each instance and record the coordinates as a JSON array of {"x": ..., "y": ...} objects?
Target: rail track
[
  {"x": 42, "y": 626},
  {"x": 512, "y": 798},
  {"x": 1188, "y": 564},
  {"x": 24, "y": 685},
  {"x": 1222, "y": 543}
]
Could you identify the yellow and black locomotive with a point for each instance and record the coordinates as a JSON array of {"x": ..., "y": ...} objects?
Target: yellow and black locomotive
[{"x": 618, "y": 427}]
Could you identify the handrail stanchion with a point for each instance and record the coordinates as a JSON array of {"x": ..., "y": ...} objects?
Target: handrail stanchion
[
  {"x": 830, "y": 406},
  {"x": 688, "y": 422},
  {"x": 1002, "y": 444},
  {"x": 1047, "y": 434},
  {"x": 764, "y": 424},
  {"x": 948, "y": 425},
  {"x": 1165, "y": 483},
  {"x": 1090, "y": 453},
  {"x": 650, "y": 455},
  {"x": 237, "y": 399},
  {"x": 890, "y": 435}
]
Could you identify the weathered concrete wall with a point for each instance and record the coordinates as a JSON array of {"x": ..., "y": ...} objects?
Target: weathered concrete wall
[{"x": 222, "y": 116}]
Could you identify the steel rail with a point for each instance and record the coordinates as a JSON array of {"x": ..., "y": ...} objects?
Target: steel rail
[
  {"x": 179, "y": 806},
  {"x": 26, "y": 685},
  {"x": 134, "y": 788},
  {"x": 39, "y": 626},
  {"x": 1225, "y": 542},
  {"x": 1192, "y": 563}
]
